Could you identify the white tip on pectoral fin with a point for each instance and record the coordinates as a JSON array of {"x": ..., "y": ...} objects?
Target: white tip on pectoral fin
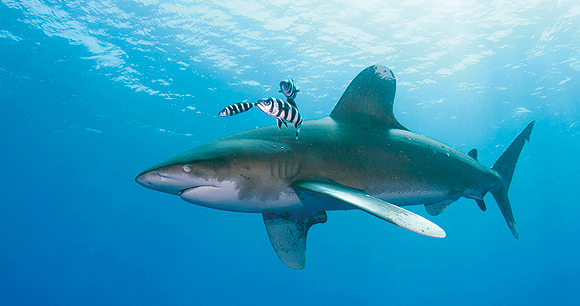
[{"x": 379, "y": 208}]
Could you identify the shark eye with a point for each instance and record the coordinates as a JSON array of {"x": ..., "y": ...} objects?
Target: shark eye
[
  {"x": 267, "y": 102},
  {"x": 187, "y": 168}
]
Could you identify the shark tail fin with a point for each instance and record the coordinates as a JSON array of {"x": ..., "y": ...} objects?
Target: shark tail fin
[{"x": 505, "y": 166}]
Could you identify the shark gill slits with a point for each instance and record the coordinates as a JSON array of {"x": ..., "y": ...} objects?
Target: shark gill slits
[{"x": 283, "y": 165}]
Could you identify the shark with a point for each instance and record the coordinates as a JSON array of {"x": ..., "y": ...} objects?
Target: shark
[{"x": 359, "y": 157}]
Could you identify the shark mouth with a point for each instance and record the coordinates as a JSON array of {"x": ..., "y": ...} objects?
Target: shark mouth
[
  {"x": 189, "y": 190},
  {"x": 205, "y": 195}
]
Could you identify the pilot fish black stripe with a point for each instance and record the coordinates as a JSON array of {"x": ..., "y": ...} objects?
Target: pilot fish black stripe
[
  {"x": 288, "y": 88},
  {"x": 286, "y": 111},
  {"x": 235, "y": 109},
  {"x": 281, "y": 110}
]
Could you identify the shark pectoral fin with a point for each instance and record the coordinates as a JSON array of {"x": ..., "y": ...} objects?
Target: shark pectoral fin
[
  {"x": 287, "y": 232},
  {"x": 379, "y": 208}
]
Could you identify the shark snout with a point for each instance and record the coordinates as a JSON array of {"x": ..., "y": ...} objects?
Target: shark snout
[
  {"x": 161, "y": 181},
  {"x": 146, "y": 179}
]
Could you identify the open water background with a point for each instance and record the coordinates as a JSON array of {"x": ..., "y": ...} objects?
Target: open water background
[{"x": 93, "y": 92}]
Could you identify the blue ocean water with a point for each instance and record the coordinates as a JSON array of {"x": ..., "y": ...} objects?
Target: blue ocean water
[{"x": 93, "y": 92}]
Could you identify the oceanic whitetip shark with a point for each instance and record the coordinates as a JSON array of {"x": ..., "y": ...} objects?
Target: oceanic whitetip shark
[{"x": 359, "y": 157}]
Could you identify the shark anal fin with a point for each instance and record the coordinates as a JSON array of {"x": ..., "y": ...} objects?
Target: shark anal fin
[
  {"x": 379, "y": 208},
  {"x": 287, "y": 232},
  {"x": 481, "y": 204}
]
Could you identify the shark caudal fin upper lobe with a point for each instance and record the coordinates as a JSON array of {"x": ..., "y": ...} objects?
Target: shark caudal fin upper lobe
[{"x": 505, "y": 166}]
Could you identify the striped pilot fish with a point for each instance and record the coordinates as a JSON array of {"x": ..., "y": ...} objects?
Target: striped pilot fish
[
  {"x": 288, "y": 88},
  {"x": 282, "y": 110},
  {"x": 235, "y": 109}
]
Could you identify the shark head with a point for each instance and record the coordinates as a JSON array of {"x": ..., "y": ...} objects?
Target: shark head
[{"x": 228, "y": 174}]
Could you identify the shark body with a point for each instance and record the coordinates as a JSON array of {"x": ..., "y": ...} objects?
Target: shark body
[{"x": 360, "y": 157}]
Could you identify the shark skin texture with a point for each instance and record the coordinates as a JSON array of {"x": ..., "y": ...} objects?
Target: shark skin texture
[{"x": 359, "y": 157}]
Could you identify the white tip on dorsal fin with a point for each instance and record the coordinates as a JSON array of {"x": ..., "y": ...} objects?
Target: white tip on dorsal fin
[{"x": 371, "y": 93}]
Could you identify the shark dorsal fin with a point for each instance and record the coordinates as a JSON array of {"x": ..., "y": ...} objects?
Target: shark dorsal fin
[{"x": 371, "y": 93}]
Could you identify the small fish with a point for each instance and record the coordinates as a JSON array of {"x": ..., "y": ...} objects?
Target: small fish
[
  {"x": 282, "y": 110},
  {"x": 288, "y": 88},
  {"x": 235, "y": 109}
]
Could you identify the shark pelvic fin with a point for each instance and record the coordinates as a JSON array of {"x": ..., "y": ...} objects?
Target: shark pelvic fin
[
  {"x": 379, "y": 208},
  {"x": 370, "y": 94},
  {"x": 287, "y": 232},
  {"x": 435, "y": 209}
]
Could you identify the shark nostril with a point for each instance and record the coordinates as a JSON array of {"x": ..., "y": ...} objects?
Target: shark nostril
[{"x": 163, "y": 175}]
